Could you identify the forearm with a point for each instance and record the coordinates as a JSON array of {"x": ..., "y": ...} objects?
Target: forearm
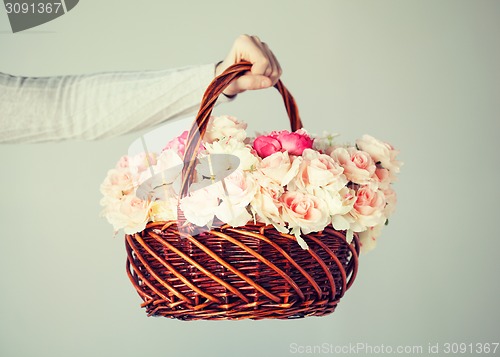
[{"x": 96, "y": 106}]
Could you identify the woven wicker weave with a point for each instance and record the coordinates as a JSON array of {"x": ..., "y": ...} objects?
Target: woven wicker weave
[{"x": 237, "y": 273}]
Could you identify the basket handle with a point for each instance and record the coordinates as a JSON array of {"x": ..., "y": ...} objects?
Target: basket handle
[{"x": 199, "y": 127}]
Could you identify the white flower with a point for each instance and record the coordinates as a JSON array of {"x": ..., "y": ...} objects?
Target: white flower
[
  {"x": 163, "y": 210},
  {"x": 322, "y": 143},
  {"x": 238, "y": 190},
  {"x": 380, "y": 152},
  {"x": 200, "y": 206},
  {"x": 165, "y": 181},
  {"x": 368, "y": 238},
  {"x": 234, "y": 147},
  {"x": 318, "y": 171},
  {"x": 279, "y": 167},
  {"x": 266, "y": 204},
  {"x": 342, "y": 220},
  {"x": 131, "y": 214},
  {"x": 225, "y": 127}
]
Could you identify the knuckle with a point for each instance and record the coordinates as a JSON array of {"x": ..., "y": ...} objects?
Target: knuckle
[{"x": 243, "y": 38}]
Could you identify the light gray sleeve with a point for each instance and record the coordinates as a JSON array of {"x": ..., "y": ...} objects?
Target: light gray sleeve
[{"x": 96, "y": 106}]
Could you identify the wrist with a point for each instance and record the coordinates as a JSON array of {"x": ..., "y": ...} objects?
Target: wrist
[{"x": 217, "y": 72}]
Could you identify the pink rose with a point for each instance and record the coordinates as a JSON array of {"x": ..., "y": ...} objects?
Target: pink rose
[
  {"x": 382, "y": 177},
  {"x": 304, "y": 212},
  {"x": 369, "y": 207},
  {"x": 294, "y": 143},
  {"x": 179, "y": 143},
  {"x": 358, "y": 165},
  {"x": 266, "y": 145}
]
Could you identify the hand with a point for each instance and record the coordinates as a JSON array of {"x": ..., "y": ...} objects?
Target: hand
[{"x": 265, "y": 67}]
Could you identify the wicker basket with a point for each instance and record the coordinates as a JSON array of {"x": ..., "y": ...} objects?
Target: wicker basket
[{"x": 249, "y": 272}]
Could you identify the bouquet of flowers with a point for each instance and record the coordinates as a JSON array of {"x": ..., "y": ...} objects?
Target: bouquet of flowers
[{"x": 294, "y": 181}]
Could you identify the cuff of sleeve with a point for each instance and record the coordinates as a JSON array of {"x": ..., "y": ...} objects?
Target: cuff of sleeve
[
  {"x": 223, "y": 98},
  {"x": 206, "y": 76}
]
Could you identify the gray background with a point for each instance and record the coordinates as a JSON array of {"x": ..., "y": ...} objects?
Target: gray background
[{"x": 422, "y": 75}]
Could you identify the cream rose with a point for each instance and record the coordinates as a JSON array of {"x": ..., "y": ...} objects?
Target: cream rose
[
  {"x": 265, "y": 204},
  {"x": 200, "y": 206},
  {"x": 237, "y": 191},
  {"x": 117, "y": 183},
  {"x": 225, "y": 127},
  {"x": 234, "y": 147},
  {"x": 131, "y": 214},
  {"x": 324, "y": 142},
  {"x": 342, "y": 219},
  {"x": 380, "y": 152},
  {"x": 163, "y": 210},
  {"x": 279, "y": 167},
  {"x": 318, "y": 171}
]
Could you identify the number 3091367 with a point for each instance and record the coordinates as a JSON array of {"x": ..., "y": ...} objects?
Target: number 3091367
[{"x": 40, "y": 8}]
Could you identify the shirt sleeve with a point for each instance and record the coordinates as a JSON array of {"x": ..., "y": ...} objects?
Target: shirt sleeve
[{"x": 97, "y": 106}]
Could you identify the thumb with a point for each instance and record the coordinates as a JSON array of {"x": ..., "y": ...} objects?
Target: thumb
[{"x": 252, "y": 82}]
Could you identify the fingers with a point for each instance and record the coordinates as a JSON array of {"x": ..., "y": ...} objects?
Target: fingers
[
  {"x": 265, "y": 71},
  {"x": 248, "y": 82},
  {"x": 252, "y": 82},
  {"x": 264, "y": 61}
]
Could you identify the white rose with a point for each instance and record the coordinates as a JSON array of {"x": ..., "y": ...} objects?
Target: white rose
[
  {"x": 225, "y": 127},
  {"x": 163, "y": 210},
  {"x": 200, "y": 206},
  {"x": 342, "y": 220},
  {"x": 380, "y": 152},
  {"x": 324, "y": 142},
  {"x": 318, "y": 171},
  {"x": 117, "y": 183},
  {"x": 166, "y": 171},
  {"x": 234, "y": 147},
  {"x": 237, "y": 191},
  {"x": 131, "y": 214},
  {"x": 279, "y": 167},
  {"x": 266, "y": 205}
]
